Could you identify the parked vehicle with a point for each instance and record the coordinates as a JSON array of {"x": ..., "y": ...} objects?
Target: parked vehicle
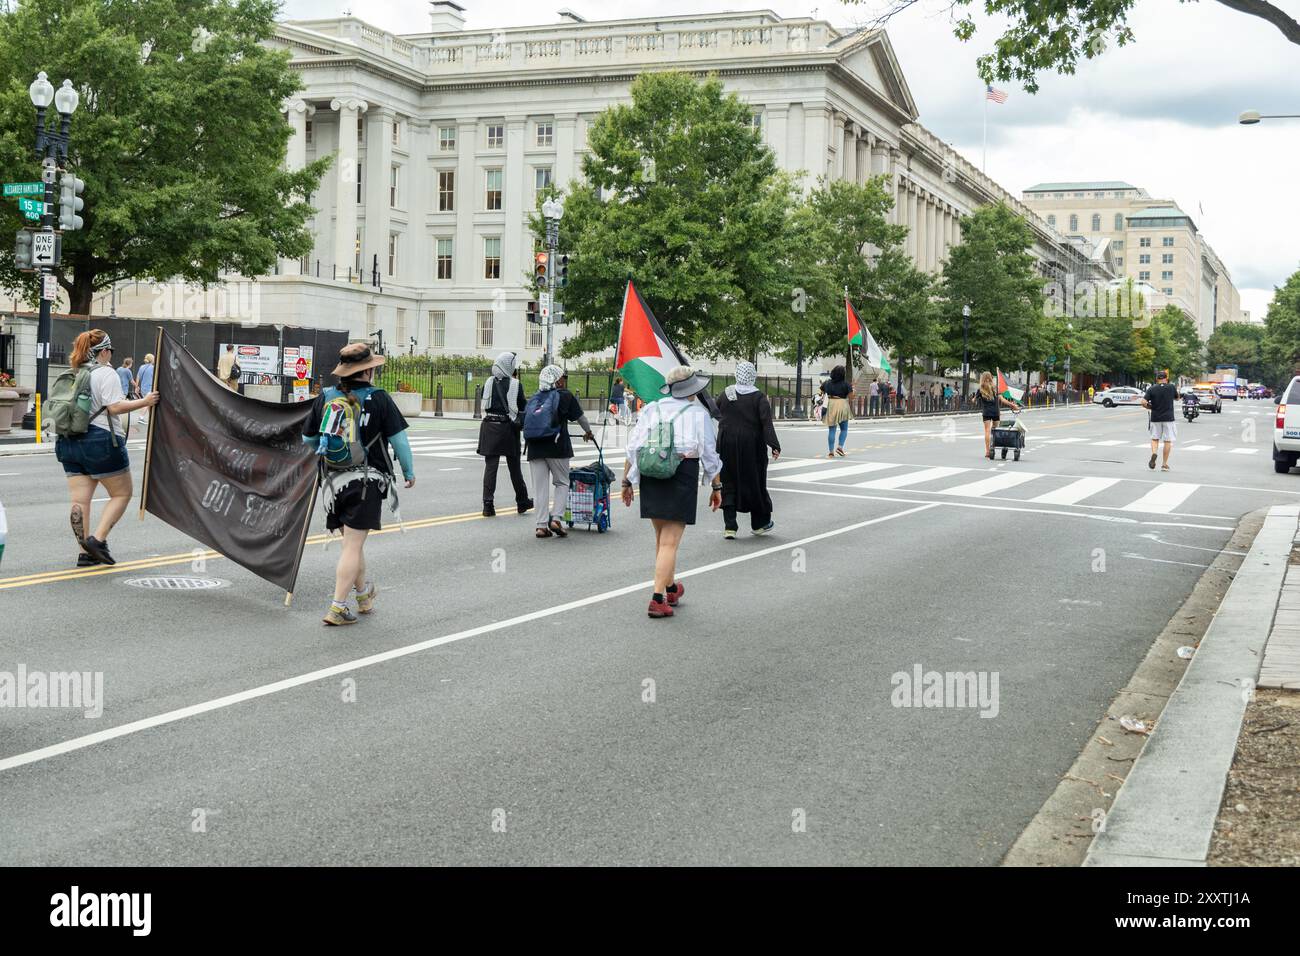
[
  {"x": 1208, "y": 399},
  {"x": 1121, "y": 395},
  {"x": 1227, "y": 390},
  {"x": 1286, "y": 428}
]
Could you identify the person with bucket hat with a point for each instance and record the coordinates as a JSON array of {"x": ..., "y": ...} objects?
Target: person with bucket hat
[
  {"x": 546, "y": 433},
  {"x": 672, "y": 443},
  {"x": 352, "y": 424},
  {"x": 498, "y": 435}
]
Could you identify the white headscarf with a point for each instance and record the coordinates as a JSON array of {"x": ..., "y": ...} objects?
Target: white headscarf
[
  {"x": 504, "y": 366},
  {"x": 548, "y": 376}
]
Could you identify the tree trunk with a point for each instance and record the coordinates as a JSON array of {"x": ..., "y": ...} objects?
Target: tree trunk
[{"x": 81, "y": 292}]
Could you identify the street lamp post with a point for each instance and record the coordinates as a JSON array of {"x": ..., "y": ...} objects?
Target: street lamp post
[
  {"x": 553, "y": 212},
  {"x": 52, "y": 150},
  {"x": 1069, "y": 382},
  {"x": 965, "y": 352},
  {"x": 1251, "y": 117},
  {"x": 798, "y": 411}
]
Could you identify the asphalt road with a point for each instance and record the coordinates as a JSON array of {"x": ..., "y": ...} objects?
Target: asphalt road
[{"x": 493, "y": 709}]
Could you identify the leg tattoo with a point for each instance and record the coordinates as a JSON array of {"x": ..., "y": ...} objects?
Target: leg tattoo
[{"x": 78, "y": 524}]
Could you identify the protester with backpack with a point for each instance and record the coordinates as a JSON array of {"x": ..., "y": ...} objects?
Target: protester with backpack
[
  {"x": 351, "y": 425},
  {"x": 546, "y": 433},
  {"x": 672, "y": 441},
  {"x": 498, "y": 435},
  {"x": 83, "y": 409}
]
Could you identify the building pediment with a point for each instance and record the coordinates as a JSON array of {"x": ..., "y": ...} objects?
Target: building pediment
[{"x": 869, "y": 56}]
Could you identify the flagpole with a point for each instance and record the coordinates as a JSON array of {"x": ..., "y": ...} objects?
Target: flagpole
[
  {"x": 984, "y": 163},
  {"x": 153, "y": 414}
]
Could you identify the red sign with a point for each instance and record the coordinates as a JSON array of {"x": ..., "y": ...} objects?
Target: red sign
[{"x": 301, "y": 367}]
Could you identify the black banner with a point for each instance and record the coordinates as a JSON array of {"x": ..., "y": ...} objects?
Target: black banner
[{"x": 230, "y": 471}]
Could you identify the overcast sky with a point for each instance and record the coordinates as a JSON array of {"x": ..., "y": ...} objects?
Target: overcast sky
[{"x": 1160, "y": 113}]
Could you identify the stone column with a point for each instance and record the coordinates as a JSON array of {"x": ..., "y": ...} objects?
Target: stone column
[
  {"x": 814, "y": 141},
  {"x": 864, "y": 159},
  {"x": 467, "y": 251},
  {"x": 849, "y": 152},
  {"x": 295, "y": 156},
  {"x": 346, "y": 172},
  {"x": 377, "y": 213},
  {"x": 566, "y": 156},
  {"x": 518, "y": 197}
]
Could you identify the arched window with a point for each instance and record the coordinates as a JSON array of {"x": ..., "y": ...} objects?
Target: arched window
[
  {"x": 1096, "y": 222},
  {"x": 1074, "y": 223},
  {"x": 1119, "y": 222},
  {"x": 1051, "y": 221}
]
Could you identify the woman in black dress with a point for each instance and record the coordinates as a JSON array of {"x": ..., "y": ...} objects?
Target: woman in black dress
[
  {"x": 745, "y": 433},
  {"x": 990, "y": 403}
]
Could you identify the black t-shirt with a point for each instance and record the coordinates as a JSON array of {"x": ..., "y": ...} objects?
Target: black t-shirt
[
  {"x": 989, "y": 407},
  {"x": 379, "y": 416},
  {"x": 1161, "y": 399},
  {"x": 838, "y": 389},
  {"x": 562, "y": 447}
]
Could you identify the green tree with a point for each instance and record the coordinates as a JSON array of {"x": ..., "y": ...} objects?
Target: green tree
[
  {"x": 1175, "y": 343},
  {"x": 1282, "y": 329},
  {"x": 178, "y": 136},
  {"x": 994, "y": 273},
  {"x": 1055, "y": 35},
  {"x": 1243, "y": 345},
  {"x": 681, "y": 194}
]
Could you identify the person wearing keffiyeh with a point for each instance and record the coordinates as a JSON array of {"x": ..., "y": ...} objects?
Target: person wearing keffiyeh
[
  {"x": 498, "y": 435},
  {"x": 745, "y": 433}
]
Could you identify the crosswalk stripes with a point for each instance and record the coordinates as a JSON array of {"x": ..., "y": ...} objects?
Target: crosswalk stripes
[
  {"x": 911, "y": 478},
  {"x": 1162, "y": 498},
  {"x": 1075, "y": 491},
  {"x": 988, "y": 486},
  {"x": 858, "y": 468}
]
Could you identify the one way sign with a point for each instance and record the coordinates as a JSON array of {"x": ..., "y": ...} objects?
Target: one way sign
[{"x": 45, "y": 249}]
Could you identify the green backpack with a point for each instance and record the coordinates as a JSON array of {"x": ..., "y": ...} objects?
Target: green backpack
[
  {"x": 658, "y": 457},
  {"x": 68, "y": 407}
]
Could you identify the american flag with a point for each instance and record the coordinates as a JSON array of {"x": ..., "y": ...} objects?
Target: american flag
[{"x": 997, "y": 96}]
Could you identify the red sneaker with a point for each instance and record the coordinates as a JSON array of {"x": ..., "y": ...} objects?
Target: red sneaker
[
  {"x": 675, "y": 596},
  {"x": 660, "y": 609}
]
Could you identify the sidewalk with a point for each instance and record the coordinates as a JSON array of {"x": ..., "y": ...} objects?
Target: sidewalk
[{"x": 1165, "y": 811}]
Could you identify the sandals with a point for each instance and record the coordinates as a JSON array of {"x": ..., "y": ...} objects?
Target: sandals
[
  {"x": 543, "y": 532},
  {"x": 840, "y": 451},
  {"x": 557, "y": 529}
]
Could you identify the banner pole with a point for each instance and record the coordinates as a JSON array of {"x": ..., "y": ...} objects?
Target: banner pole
[{"x": 153, "y": 414}]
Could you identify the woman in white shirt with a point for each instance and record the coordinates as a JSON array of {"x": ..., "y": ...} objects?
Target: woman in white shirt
[
  {"x": 99, "y": 456},
  {"x": 669, "y": 503}
]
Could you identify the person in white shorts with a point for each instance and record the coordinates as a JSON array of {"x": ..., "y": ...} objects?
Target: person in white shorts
[{"x": 1160, "y": 398}]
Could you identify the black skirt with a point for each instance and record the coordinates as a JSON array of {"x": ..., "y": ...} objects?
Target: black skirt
[
  {"x": 498, "y": 436},
  {"x": 672, "y": 499},
  {"x": 358, "y": 505}
]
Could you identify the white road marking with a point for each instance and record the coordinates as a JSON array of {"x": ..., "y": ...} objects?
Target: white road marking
[
  {"x": 451, "y": 469},
  {"x": 1062, "y": 441},
  {"x": 785, "y": 463},
  {"x": 911, "y": 478},
  {"x": 311, "y": 677},
  {"x": 1106, "y": 444},
  {"x": 1143, "y": 557},
  {"x": 977, "y": 489},
  {"x": 1243, "y": 451},
  {"x": 855, "y": 469},
  {"x": 1198, "y": 448},
  {"x": 1076, "y": 491},
  {"x": 1162, "y": 498}
]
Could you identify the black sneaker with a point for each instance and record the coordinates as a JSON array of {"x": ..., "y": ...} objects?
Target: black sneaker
[
  {"x": 489, "y": 511},
  {"x": 526, "y": 506},
  {"x": 86, "y": 561},
  {"x": 98, "y": 550}
]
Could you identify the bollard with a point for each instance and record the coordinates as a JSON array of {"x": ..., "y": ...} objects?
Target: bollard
[
  {"x": 478, "y": 401},
  {"x": 437, "y": 404}
]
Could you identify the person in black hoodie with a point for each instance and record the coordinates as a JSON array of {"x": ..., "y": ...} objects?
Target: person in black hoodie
[{"x": 498, "y": 435}]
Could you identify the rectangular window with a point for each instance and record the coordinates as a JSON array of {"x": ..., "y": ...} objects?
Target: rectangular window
[
  {"x": 1168, "y": 276},
  {"x": 392, "y": 187},
  {"x": 545, "y": 133},
  {"x": 1119, "y": 262},
  {"x": 484, "y": 322},
  {"x": 401, "y": 329},
  {"x": 493, "y": 192},
  {"x": 438, "y": 329},
  {"x": 1145, "y": 242},
  {"x": 1144, "y": 277},
  {"x": 1167, "y": 291},
  {"x": 361, "y": 128},
  {"x": 1167, "y": 241},
  {"x": 496, "y": 136},
  {"x": 492, "y": 258},
  {"x": 307, "y": 132},
  {"x": 541, "y": 178},
  {"x": 1167, "y": 258},
  {"x": 397, "y": 138},
  {"x": 359, "y": 183},
  {"x": 392, "y": 254},
  {"x": 533, "y": 339},
  {"x": 447, "y": 139},
  {"x": 358, "y": 254},
  {"x": 446, "y": 190},
  {"x": 756, "y": 122},
  {"x": 371, "y": 324},
  {"x": 1144, "y": 259},
  {"x": 443, "y": 258},
  {"x": 1118, "y": 243}
]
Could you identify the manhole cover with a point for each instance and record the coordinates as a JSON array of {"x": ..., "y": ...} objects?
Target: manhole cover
[{"x": 176, "y": 583}]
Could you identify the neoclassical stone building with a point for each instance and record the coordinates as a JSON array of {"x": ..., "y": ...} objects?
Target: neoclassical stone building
[{"x": 442, "y": 138}]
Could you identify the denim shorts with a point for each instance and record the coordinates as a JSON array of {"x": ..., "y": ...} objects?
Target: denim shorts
[{"x": 93, "y": 454}]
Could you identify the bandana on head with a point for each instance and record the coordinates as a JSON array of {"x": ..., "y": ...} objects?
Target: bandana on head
[
  {"x": 105, "y": 345},
  {"x": 504, "y": 366},
  {"x": 548, "y": 376}
]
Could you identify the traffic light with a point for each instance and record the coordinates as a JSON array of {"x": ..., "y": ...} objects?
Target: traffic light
[
  {"x": 562, "y": 271},
  {"x": 541, "y": 261},
  {"x": 534, "y": 313},
  {"x": 23, "y": 250},
  {"x": 70, "y": 201}
]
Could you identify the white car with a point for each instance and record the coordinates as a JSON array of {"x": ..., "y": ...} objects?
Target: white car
[
  {"x": 1121, "y": 395},
  {"x": 1286, "y": 428}
]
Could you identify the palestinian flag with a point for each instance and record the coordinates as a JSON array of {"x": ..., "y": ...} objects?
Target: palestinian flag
[
  {"x": 1006, "y": 391},
  {"x": 645, "y": 355},
  {"x": 860, "y": 335}
]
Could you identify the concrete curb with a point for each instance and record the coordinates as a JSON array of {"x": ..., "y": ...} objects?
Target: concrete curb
[{"x": 1164, "y": 813}]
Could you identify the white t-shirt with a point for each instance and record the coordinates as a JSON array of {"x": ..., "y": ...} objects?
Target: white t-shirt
[{"x": 106, "y": 389}]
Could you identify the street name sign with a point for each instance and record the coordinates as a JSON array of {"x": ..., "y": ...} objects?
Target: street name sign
[
  {"x": 24, "y": 189},
  {"x": 32, "y": 208}
]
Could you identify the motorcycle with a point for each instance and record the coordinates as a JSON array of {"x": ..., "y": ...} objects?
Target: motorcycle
[{"x": 1191, "y": 408}]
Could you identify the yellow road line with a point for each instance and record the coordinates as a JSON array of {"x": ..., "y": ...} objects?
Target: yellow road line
[{"x": 68, "y": 574}]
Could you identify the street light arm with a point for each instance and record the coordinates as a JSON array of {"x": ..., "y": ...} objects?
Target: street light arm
[{"x": 1287, "y": 24}]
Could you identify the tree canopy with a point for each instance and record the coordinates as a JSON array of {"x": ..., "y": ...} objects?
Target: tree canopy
[
  {"x": 1282, "y": 329},
  {"x": 178, "y": 136}
]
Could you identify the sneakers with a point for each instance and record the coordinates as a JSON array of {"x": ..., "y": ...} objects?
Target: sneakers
[
  {"x": 729, "y": 534},
  {"x": 1152, "y": 463},
  {"x": 766, "y": 529},
  {"x": 489, "y": 511},
  {"x": 86, "y": 561},
  {"x": 526, "y": 506},
  {"x": 675, "y": 592},
  {"x": 338, "y": 615},
  {"x": 366, "y": 599},
  {"x": 98, "y": 550},
  {"x": 659, "y": 609}
]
